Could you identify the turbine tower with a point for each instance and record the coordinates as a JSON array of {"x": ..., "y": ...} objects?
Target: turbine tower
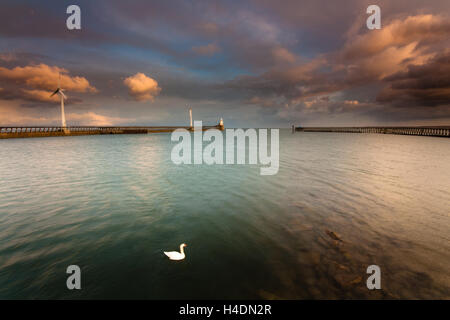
[
  {"x": 190, "y": 117},
  {"x": 61, "y": 94}
]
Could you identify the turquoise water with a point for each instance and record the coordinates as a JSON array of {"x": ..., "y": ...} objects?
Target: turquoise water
[{"x": 112, "y": 204}]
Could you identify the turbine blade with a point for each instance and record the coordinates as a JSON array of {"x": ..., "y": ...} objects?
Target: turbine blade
[
  {"x": 56, "y": 91},
  {"x": 62, "y": 94}
]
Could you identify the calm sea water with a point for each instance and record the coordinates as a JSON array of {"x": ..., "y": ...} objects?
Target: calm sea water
[{"x": 113, "y": 204}]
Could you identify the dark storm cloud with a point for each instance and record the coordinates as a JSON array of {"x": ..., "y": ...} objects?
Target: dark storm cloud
[{"x": 424, "y": 85}]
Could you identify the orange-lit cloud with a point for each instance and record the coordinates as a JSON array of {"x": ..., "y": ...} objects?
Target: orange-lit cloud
[
  {"x": 39, "y": 95},
  {"x": 283, "y": 55},
  {"x": 45, "y": 77},
  {"x": 37, "y": 82},
  {"x": 141, "y": 87},
  {"x": 425, "y": 29},
  {"x": 93, "y": 119},
  {"x": 14, "y": 114},
  {"x": 402, "y": 42}
]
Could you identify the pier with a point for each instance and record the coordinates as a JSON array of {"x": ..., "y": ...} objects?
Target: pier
[
  {"x": 53, "y": 131},
  {"x": 437, "y": 131},
  {"x": 49, "y": 131}
]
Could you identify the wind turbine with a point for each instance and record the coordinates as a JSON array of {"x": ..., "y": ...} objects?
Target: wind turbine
[{"x": 60, "y": 92}]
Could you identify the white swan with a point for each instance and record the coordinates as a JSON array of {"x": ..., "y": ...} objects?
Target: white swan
[{"x": 175, "y": 255}]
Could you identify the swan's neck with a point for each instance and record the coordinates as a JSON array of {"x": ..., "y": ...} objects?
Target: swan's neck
[{"x": 182, "y": 249}]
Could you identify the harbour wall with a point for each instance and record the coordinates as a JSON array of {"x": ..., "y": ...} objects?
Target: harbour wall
[
  {"x": 414, "y": 131},
  {"x": 35, "y": 132}
]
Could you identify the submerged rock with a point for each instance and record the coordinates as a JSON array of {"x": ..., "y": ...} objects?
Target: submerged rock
[
  {"x": 342, "y": 267},
  {"x": 333, "y": 235}
]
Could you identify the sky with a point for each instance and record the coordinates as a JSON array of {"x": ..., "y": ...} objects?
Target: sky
[{"x": 255, "y": 63}]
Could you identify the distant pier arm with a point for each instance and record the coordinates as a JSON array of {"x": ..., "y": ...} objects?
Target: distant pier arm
[{"x": 432, "y": 131}]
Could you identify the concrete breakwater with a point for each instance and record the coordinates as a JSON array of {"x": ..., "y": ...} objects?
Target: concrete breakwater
[
  {"x": 438, "y": 131},
  {"x": 34, "y": 132}
]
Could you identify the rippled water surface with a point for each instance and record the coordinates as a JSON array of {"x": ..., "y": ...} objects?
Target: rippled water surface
[{"x": 113, "y": 204}]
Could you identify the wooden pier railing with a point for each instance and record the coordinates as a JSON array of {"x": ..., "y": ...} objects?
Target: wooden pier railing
[
  {"x": 438, "y": 131},
  {"x": 50, "y": 131}
]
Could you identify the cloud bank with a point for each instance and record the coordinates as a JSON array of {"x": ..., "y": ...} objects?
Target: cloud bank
[{"x": 406, "y": 60}]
